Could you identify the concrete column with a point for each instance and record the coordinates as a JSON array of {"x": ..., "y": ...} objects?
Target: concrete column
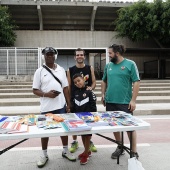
[
  {"x": 93, "y": 18},
  {"x": 40, "y": 17}
]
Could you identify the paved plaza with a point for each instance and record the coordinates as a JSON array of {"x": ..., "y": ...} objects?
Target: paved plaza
[{"x": 153, "y": 149}]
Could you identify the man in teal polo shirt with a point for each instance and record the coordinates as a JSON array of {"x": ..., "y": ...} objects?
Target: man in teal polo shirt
[{"x": 119, "y": 76}]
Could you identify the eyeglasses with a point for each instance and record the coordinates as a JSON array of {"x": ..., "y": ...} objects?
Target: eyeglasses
[{"x": 79, "y": 54}]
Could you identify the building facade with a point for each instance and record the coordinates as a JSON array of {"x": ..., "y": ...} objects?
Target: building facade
[{"x": 67, "y": 25}]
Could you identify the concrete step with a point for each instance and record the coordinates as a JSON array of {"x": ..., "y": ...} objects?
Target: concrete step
[
  {"x": 141, "y": 109},
  {"x": 154, "y": 93},
  {"x": 153, "y": 84},
  {"x": 98, "y": 85},
  {"x": 26, "y": 90},
  {"x": 28, "y": 86},
  {"x": 98, "y": 88},
  {"x": 17, "y": 98},
  {"x": 29, "y": 89},
  {"x": 156, "y": 81},
  {"x": 143, "y": 93},
  {"x": 35, "y": 101},
  {"x": 14, "y": 83},
  {"x": 147, "y": 99},
  {"x": 146, "y": 109},
  {"x": 156, "y": 100},
  {"x": 160, "y": 88},
  {"x": 20, "y": 102},
  {"x": 17, "y": 95},
  {"x": 97, "y": 91},
  {"x": 148, "y": 81},
  {"x": 142, "y": 84},
  {"x": 15, "y": 86},
  {"x": 97, "y": 81},
  {"x": 146, "y": 88},
  {"x": 29, "y": 94},
  {"x": 25, "y": 94},
  {"x": 23, "y": 90}
]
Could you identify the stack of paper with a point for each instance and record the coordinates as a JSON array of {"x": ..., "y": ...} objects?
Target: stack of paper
[
  {"x": 92, "y": 119},
  {"x": 86, "y": 116},
  {"x": 13, "y": 127},
  {"x": 105, "y": 116},
  {"x": 3, "y": 119},
  {"x": 75, "y": 125},
  {"x": 70, "y": 116},
  {"x": 48, "y": 124},
  {"x": 119, "y": 118}
]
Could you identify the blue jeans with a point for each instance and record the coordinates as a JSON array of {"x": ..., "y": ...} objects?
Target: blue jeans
[{"x": 59, "y": 111}]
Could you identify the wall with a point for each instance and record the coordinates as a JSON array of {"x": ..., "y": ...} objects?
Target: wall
[
  {"x": 141, "y": 57},
  {"x": 74, "y": 39}
]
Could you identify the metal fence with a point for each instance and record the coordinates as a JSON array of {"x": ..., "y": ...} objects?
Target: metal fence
[
  {"x": 100, "y": 63},
  {"x": 19, "y": 61},
  {"x": 25, "y": 61},
  {"x": 115, "y": 1},
  {"x": 151, "y": 69}
]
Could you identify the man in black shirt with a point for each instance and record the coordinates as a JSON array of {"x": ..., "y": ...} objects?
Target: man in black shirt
[{"x": 90, "y": 81}]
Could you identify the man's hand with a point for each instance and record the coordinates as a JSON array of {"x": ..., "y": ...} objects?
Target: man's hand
[
  {"x": 89, "y": 88},
  {"x": 132, "y": 106},
  {"x": 103, "y": 100},
  {"x": 51, "y": 94},
  {"x": 68, "y": 109}
]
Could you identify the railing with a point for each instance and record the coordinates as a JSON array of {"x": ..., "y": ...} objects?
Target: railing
[
  {"x": 108, "y": 1},
  {"x": 18, "y": 61},
  {"x": 151, "y": 69}
]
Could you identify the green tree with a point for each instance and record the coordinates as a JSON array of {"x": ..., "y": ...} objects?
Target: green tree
[
  {"x": 7, "y": 27},
  {"x": 165, "y": 18},
  {"x": 144, "y": 20}
]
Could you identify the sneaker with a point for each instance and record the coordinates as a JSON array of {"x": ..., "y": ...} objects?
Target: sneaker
[
  {"x": 84, "y": 159},
  {"x": 43, "y": 160},
  {"x": 135, "y": 154},
  {"x": 69, "y": 156},
  {"x": 117, "y": 153},
  {"x": 92, "y": 147},
  {"x": 80, "y": 156},
  {"x": 74, "y": 147}
]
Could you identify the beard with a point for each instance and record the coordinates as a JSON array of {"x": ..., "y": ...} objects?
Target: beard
[{"x": 114, "y": 59}]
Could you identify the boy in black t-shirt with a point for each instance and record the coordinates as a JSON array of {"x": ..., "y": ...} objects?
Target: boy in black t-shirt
[
  {"x": 87, "y": 72},
  {"x": 83, "y": 101}
]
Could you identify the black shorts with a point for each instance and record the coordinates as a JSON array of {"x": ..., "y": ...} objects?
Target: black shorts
[
  {"x": 87, "y": 135},
  {"x": 118, "y": 107}
]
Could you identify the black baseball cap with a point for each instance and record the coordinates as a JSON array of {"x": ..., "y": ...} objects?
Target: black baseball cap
[{"x": 49, "y": 50}]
